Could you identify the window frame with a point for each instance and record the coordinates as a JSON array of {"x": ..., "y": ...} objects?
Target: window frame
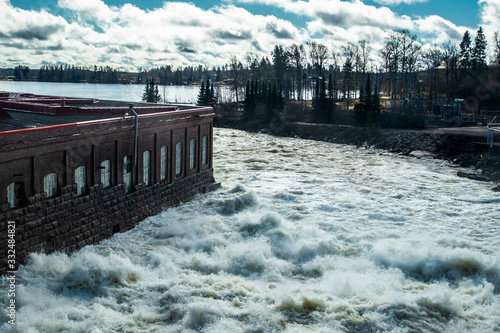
[
  {"x": 11, "y": 196},
  {"x": 50, "y": 185},
  {"x": 16, "y": 194},
  {"x": 127, "y": 174},
  {"x": 81, "y": 180},
  {"x": 192, "y": 154},
  {"x": 178, "y": 158},
  {"x": 163, "y": 162},
  {"x": 146, "y": 167},
  {"x": 204, "y": 150},
  {"x": 106, "y": 173}
]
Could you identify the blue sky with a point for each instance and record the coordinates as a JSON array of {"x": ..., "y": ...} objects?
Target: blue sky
[
  {"x": 150, "y": 33},
  {"x": 461, "y": 12}
]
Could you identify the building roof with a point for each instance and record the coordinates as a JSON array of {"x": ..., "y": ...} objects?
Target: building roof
[
  {"x": 22, "y": 111},
  {"x": 20, "y": 120}
]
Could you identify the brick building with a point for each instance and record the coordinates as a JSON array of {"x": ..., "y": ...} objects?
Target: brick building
[{"x": 75, "y": 171}]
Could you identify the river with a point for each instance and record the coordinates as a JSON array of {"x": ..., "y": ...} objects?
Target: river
[
  {"x": 119, "y": 92},
  {"x": 303, "y": 236}
]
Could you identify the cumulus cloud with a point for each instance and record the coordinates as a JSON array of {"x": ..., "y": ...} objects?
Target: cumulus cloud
[
  {"x": 398, "y": 2},
  {"x": 439, "y": 30},
  {"x": 490, "y": 14},
  {"x": 180, "y": 33}
]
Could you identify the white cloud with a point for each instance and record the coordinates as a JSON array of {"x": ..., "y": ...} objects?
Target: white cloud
[
  {"x": 182, "y": 34},
  {"x": 177, "y": 33},
  {"x": 437, "y": 30},
  {"x": 398, "y": 2},
  {"x": 490, "y": 14}
]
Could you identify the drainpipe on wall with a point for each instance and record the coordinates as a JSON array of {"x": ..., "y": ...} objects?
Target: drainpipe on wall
[{"x": 136, "y": 136}]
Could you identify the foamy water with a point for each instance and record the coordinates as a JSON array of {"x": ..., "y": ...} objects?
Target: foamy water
[{"x": 303, "y": 236}]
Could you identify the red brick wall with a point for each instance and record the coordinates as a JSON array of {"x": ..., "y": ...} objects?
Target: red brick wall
[{"x": 67, "y": 222}]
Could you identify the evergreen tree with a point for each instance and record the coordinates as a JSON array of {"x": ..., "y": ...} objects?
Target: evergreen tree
[
  {"x": 368, "y": 108},
  {"x": 250, "y": 103},
  {"x": 212, "y": 97},
  {"x": 496, "y": 60},
  {"x": 377, "y": 107},
  {"x": 320, "y": 103},
  {"x": 359, "y": 108},
  {"x": 146, "y": 93},
  {"x": 202, "y": 95},
  {"x": 478, "y": 59},
  {"x": 151, "y": 93},
  {"x": 331, "y": 106},
  {"x": 348, "y": 80},
  {"x": 465, "y": 58}
]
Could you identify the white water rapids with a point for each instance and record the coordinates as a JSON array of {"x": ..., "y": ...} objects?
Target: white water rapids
[{"x": 303, "y": 236}]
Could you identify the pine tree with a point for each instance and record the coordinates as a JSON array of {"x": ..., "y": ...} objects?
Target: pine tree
[
  {"x": 348, "y": 80},
  {"x": 368, "y": 108},
  {"x": 151, "y": 93},
  {"x": 146, "y": 93},
  {"x": 201, "y": 96},
  {"x": 465, "y": 55},
  {"x": 496, "y": 61},
  {"x": 212, "y": 97},
  {"x": 320, "y": 103},
  {"x": 359, "y": 108},
  {"x": 331, "y": 106},
  {"x": 377, "y": 107},
  {"x": 250, "y": 103},
  {"x": 479, "y": 52}
]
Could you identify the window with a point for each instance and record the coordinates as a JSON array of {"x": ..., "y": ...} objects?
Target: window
[
  {"x": 192, "y": 154},
  {"x": 204, "y": 150},
  {"x": 106, "y": 173},
  {"x": 81, "y": 180},
  {"x": 127, "y": 173},
  {"x": 178, "y": 158},
  {"x": 146, "y": 167},
  {"x": 10, "y": 194},
  {"x": 163, "y": 162},
  {"x": 50, "y": 185},
  {"x": 15, "y": 194}
]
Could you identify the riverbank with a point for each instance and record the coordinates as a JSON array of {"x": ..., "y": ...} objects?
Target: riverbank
[{"x": 465, "y": 146}]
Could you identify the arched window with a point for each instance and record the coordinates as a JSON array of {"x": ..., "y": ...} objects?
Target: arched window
[
  {"x": 106, "y": 173},
  {"x": 204, "y": 150},
  {"x": 81, "y": 180},
  {"x": 192, "y": 154},
  {"x": 178, "y": 158},
  {"x": 127, "y": 173},
  {"x": 146, "y": 167},
  {"x": 163, "y": 162},
  {"x": 50, "y": 185},
  {"x": 15, "y": 194}
]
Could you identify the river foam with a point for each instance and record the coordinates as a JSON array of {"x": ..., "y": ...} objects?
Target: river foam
[{"x": 303, "y": 236}]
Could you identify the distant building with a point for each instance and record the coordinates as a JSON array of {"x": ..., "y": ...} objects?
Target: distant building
[{"x": 74, "y": 171}]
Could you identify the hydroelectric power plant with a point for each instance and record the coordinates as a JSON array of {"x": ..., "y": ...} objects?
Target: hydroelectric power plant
[{"x": 75, "y": 171}]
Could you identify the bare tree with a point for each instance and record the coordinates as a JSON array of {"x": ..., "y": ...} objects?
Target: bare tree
[
  {"x": 496, "y": 59},
  {"x": 318, "y": 53},
  {"x": 350, "y": 53},
  {"x": 297, "y": 57},
  {"x": 236, "y": 72},
  {"x": 433, "y": 58},
  {"x": 400, "y": 54},
  {"x": 451, "y": 61},
  {"x": 364, "y": 54},
  {"x": 336, "y": 72}
]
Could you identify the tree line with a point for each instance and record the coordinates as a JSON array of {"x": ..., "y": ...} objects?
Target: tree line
[{"x": 402, "y": 69}]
